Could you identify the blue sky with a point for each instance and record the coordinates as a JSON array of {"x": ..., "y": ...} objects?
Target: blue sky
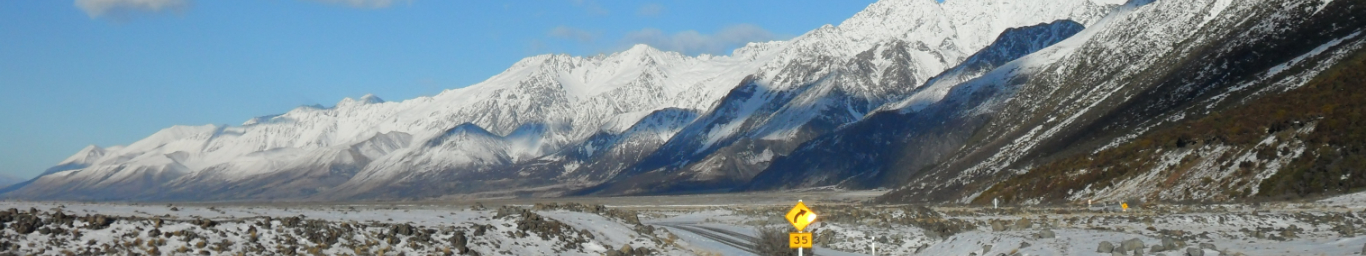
[{"x": 110, "y": 72}]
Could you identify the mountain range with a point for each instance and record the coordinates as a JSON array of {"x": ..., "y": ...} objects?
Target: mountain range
[{"x": 960, "y": 101}]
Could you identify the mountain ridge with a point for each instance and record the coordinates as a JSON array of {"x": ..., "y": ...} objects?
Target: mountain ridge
[{"x": 940, "y": 100}]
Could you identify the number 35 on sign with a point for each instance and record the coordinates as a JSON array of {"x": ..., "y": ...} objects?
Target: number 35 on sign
[{"x": 799, "y": 240}]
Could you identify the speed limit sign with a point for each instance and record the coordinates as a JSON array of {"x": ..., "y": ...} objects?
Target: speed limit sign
[{"x": 798, "y": 240}]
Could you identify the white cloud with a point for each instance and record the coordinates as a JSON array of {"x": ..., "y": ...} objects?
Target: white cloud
[
  {"x": 123, "y": 8},
  {"x": 691, "y": 42},
  {"x": 370, "y": 4},
  {"x": 650, "y": 10},
  {"x": 566, "y": 32}
]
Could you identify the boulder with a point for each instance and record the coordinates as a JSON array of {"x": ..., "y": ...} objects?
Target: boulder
[
  {"x": 26, "y": 223},
  {"x": 1047, "y": 233},
  {"x": 1131, "y": 245},
  {"x": 1169, "y": 244},
  {"x": 460, "y": 242},
  {"x": 402, "y": 229},
  {"x": 1192, "y": 251},
  {"x": 1105, "y": 247},
  {"x": 97, "y": 221},
  {"x": 1208, "y": 246},
  {"x": 1023, "y": 224}
]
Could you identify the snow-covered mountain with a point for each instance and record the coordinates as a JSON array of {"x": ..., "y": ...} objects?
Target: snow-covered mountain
[
  {"x": 1146, "y": 66},
  {"x": 6, "y": 180},
  {"x": 946, "y": 99},
  {"x": 535, "y": 108}
]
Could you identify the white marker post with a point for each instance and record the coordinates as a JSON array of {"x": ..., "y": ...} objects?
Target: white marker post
[{"x": 874, "y": 245}]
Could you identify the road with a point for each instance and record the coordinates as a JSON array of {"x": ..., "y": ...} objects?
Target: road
[{"x": 735, "y": 242}]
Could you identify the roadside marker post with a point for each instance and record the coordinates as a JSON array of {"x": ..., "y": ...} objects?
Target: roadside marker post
[
  {"x": 800, "y": 216},
  {"x": 873, "y": 244}
]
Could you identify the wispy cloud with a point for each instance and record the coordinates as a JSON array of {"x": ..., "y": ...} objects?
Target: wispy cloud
[
  {"x": 124, "y": 9},
  {"x": 367, "y": 4},
  {"x": 692, "y": 43},
  {"x": 650, "y": 10},
  {"x": 571, "y": 33}
]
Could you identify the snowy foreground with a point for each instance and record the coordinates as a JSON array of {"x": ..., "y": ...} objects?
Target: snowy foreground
[{"x": 683, "y": 225}]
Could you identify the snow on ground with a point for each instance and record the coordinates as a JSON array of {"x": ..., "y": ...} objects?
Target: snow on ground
[{"x": 1325, "y": 227}]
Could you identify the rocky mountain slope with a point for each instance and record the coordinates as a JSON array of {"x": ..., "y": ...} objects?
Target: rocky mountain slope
[
  {"x": 1142, "y": 68},
  {"x": 941, "y": 100}
]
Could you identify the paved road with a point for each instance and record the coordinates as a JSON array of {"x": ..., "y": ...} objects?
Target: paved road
[
  {"x": 730, "y": 238},
  {"x": 737, "y": 240}
]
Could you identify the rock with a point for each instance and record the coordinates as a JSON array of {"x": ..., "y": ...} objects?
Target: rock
[
  {"x": 1024, "y": 244},
  {"x": 627, "y": 250},
  {"x": 205, "y": 223},
  {"x": 1192, "y": 251},
  {"x": 1346, "y": 229},
  {"x": 1105, "y": 247},
  {"x": 1363, "y": 250},
  {"x": 1047, "y": 233},
  {"x": 460, "y": 242},
  {"x": 997, "y": 226},
  {"x": 26, "y": 223},
  {"x": 986, "y": 248},
  {"x": 1157, "y": 248},
  {"x": 1131, "y": 245},
  {"x": 97, "y": 221},
  {"x": 402, "y": 229},
  {"x": 1169, "y": 244},
  {"x": 1023, "y": 223},
  {"x": 1290, "y": 232},
  {"x": 1208, "y": 246}
]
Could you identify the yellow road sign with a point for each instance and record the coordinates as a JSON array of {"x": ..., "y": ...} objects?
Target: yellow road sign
[
  {"x": 1125, "y": 206},
  {"x": 800, "y": 216},
  {"x": 798, "y": 240}
]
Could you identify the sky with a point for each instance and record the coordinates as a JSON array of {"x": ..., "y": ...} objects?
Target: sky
[{"x": 111, "y": 72}]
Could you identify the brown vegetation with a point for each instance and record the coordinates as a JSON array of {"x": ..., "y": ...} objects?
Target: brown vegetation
[{"x": 1333, "y": 162}]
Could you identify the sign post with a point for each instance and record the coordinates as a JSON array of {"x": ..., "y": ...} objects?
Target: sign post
[{"x": 800, "y": 217}]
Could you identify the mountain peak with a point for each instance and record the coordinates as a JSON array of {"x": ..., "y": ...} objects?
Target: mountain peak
[
  {"x": 87, "y": 155},
  {"x": 364, "y": 100},
  {"x": 641, "y": 48},
  {"x": 370, "y": 99}
]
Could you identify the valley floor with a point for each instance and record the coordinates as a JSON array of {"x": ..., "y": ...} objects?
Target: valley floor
[{"x": 727, "y": 224}]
